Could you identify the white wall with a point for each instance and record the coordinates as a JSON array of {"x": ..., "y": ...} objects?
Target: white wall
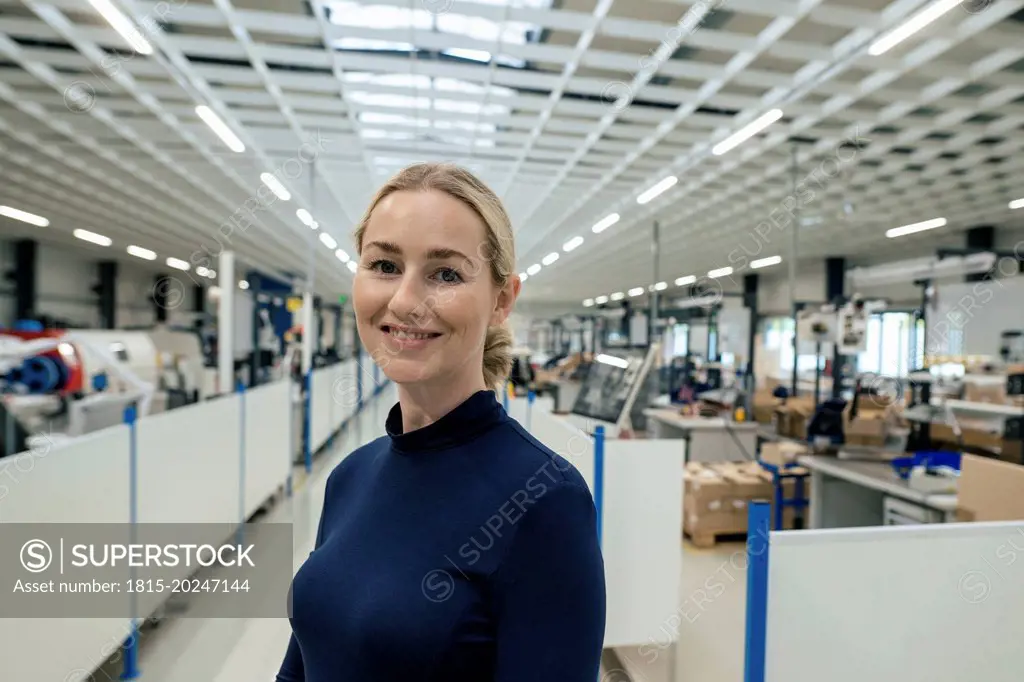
[{"x": 64, "y": 287}]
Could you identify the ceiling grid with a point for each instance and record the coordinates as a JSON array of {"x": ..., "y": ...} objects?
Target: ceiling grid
[{"x": 571, "y": 110}]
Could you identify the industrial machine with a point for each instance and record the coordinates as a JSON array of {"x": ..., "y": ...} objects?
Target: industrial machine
[{"x": 58, "y": 383}]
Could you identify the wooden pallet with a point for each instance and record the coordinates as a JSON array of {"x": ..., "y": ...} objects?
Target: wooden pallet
[{"x": 709, "y": 539}]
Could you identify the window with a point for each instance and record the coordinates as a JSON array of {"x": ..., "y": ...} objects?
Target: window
[{"x": 889, "y": 350}]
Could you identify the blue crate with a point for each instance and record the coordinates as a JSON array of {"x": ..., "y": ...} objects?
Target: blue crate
[{"x": 928, "y": 459}]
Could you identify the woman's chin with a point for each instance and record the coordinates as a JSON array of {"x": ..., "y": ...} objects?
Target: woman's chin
[{"x": 403, "y": 371}]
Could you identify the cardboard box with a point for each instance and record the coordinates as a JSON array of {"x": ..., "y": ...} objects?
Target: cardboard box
[
  {"x": 763, "y": 405},
  {"x": 782, "y": 452},
  {"x": 985, "y": 392},
  {"x": 791, "y": 419},
  {"x": 990, "y": 490},
  {"x": 868, "y": 430},
  {"x": 971, "y": 438},
  {"x": 717, "y": 496}
]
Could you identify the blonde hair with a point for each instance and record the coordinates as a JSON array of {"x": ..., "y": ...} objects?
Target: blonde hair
[{"x": 462, "y": 185}]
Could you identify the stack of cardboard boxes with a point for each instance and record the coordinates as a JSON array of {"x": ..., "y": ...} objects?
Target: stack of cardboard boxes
[
  {"x": 716, "y": 497},
  {"x": 989, "y": 490}
]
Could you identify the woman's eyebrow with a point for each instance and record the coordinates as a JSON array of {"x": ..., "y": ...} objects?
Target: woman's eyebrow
[
  {"x": 389, "y": 247},
  {"x": 440, "y": 254}
]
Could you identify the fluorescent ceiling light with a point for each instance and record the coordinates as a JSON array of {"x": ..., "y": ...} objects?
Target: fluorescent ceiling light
[
  {"x": 683, "y": 281},
  {"x": 202, "y": 271},
  {"x": 588, "y": 302},
  {"x": 765, "y": 262},
  {"x": 24, "y": 216},
  {"x": 123, "y": 26},
  {"x": 328, "y": 241},
  {"x": 915, "y": 227},
  {"x": 1016, "y": 203},
  {"x": 601, "y": 300},
  {"x": 243, "y": 285},
  {"x": 720, "y": 272},
  {"x": 618, "y": 296},
  {"x": 605, "y": 223},
  {"x": 533, "y": 269},
  {"x": 912, "y": 26},
  {"x": 140, "y": 252},
  {"x": 218, "y": 126},
  {"x": 550, "y": 258},
  {"x": 305, "y": 217},
  {"x": 661, "y": 286},
  {"x": 276, "y": 187},
  {"x": 572, "y": 244},
  {"x": 99, "y": 239},
  {"x": 613, "y": 361},
  {"x": 636, "y": 291},
  {"x": 178, "y": 264},
  {"x": 342, "y": 256},
  {"x": 657, "y": 190},
  {"x": 212, "y": 274},
  {"x": 473, "y": 55},
  {"x": 523, "y": 277},
  {"x": 352, "y": 265},
  {"x": 747, "y": 132}
]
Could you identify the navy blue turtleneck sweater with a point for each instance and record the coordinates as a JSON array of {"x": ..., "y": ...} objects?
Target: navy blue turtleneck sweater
[{"x": 464, "y": 551}]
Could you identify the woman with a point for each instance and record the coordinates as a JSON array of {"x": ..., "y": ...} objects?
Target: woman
[{"x": 456, "y": 548}]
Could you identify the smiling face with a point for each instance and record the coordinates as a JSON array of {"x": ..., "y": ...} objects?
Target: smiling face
[{"x": 424, "y": 293}]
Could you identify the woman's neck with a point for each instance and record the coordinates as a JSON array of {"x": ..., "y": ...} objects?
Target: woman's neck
[{"x": 423, "y": 403}]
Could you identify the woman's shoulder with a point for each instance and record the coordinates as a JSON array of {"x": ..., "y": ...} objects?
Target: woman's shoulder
[{"x": 533, "y": 458}]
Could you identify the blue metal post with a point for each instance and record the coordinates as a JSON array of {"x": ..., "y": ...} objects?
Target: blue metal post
[
  {"x": 599, "y": 478},
  {"x": 308, "y": 422},
  {"x": 758, "y": 531},
  {"x": 131, "y": 646},
  {"x": 529, "y": 407},
  {"x": 241, "y": 464},
  {"x": 504, "y": 396}
]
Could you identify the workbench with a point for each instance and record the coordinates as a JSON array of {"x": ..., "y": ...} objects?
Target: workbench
[
  {"x": 709, "y": 439},
  {"x": 849, "y": 493}
]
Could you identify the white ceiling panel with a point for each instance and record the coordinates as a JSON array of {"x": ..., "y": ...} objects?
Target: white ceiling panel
[{"x": 570, "y": 109}]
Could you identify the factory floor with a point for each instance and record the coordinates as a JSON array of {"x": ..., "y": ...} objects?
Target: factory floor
[{"x": 709, "y": 618}]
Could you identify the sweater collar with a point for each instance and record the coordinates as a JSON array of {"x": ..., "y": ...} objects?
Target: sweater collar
[{"x": 477, "y": 413}]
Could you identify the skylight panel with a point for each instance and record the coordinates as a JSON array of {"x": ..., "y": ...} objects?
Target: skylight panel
[
  {"x": 398, "y": 80},
  {"x": 382, "y": 99},
  {"x": 376, "y": 118},
  {"x": 456, "y": 85},
  {"x": 474, "y": 108},
  {"x": 368, "y": 44},
  {"x": 344, "y": 13}
]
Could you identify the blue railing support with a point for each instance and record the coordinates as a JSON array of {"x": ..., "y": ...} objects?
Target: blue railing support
[
  {"x": 758, "y": 545},
  {"x": 131, "y": 646},
  {"x": 530, "y": 396},
  {"x": 599, "y": 478},
  {"x": 241, "y": 463},
  {"x": 308, "y": 422},
  {"x": 504, "y": 395}
]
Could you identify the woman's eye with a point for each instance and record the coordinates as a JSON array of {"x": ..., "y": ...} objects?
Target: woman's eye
[
  {"x": 385, "y": 267},
  {"x": 448, "y": 276}
]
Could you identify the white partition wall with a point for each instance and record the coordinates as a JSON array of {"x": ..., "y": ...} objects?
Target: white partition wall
[
  {"x": 82, "y": 481},
  {"x": 642, "y": 532},
  {"x": 267, "y": 442},
  {"x": 942, "y": 603},
  {"x": 334, "y": 398},
  {"x": 641, "y": 503},
  {"x": 321, "y": 401}
]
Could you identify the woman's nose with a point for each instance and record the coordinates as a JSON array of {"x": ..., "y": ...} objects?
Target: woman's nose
[{"x": 410, "y": 300}]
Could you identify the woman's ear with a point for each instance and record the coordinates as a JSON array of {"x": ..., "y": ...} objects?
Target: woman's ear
[{"x": 506, "y": 300}]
